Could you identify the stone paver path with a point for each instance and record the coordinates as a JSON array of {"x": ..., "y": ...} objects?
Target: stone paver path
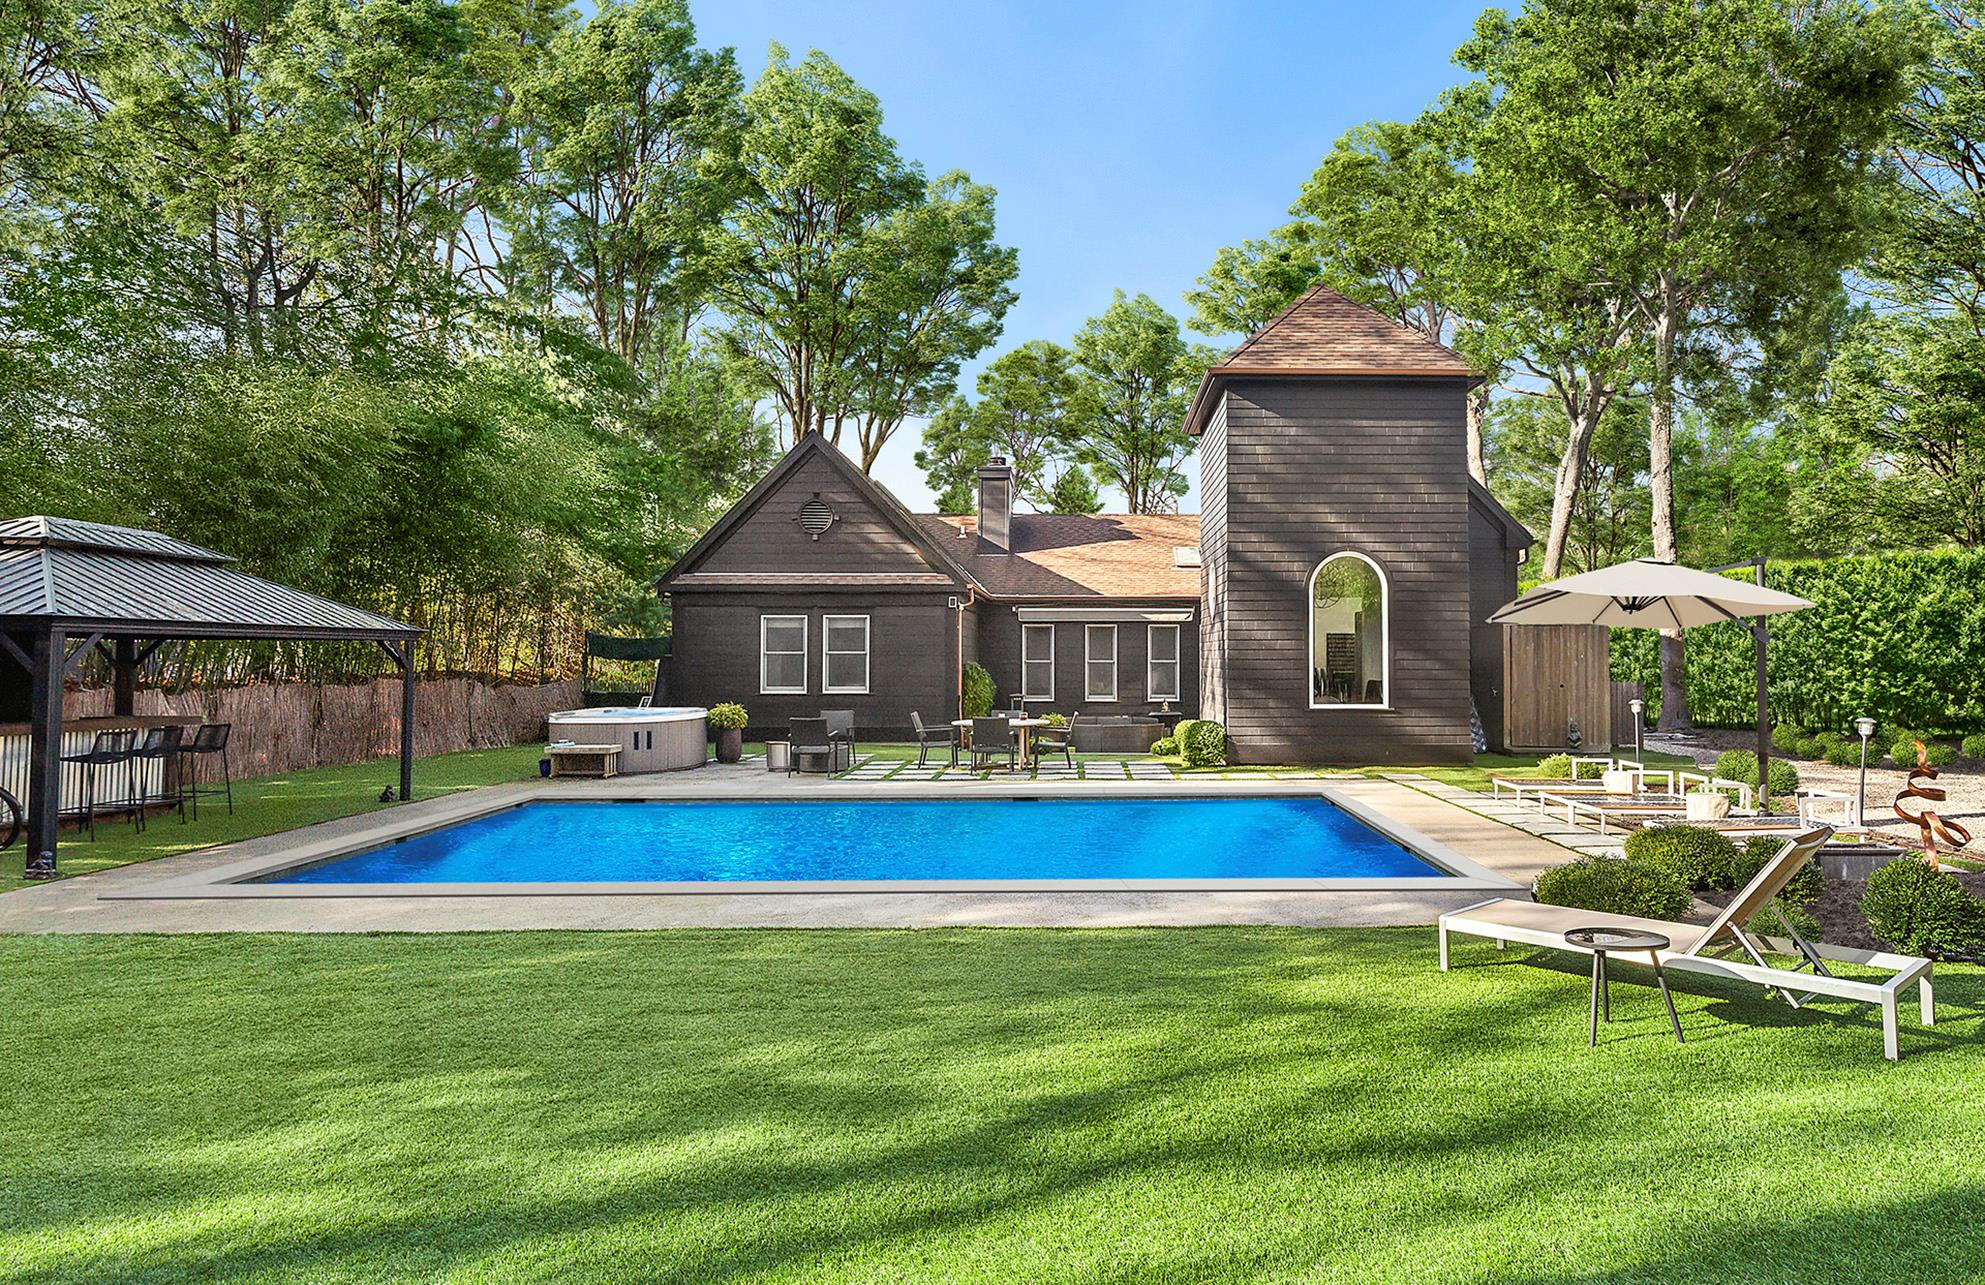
[{"x": 1521, "y": 816}]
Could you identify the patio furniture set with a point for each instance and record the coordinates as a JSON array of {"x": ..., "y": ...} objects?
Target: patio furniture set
[
  {"x": 130, "y": 753},
  {"x": 1009, "y": 736}
]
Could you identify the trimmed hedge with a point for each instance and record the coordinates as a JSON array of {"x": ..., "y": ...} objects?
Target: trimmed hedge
[
  {"x": 1900, "y": 636},
  {"x": 1166, "y": 746},
  {"x": 1922, "y": 911},
  {"x": 1201, "y": 742},
  {"x": 1615, "y": 886},
  {"x": 1974, "y": 746},
  {"x": 1699, "y": 857}
]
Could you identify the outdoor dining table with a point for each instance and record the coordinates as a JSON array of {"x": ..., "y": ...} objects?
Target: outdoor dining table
[{"x": 1025, "y": 726}]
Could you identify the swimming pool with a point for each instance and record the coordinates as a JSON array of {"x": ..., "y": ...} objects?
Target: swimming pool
[{"x": 887, "y": 840}]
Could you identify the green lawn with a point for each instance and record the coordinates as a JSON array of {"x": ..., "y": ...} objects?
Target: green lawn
[
  {"x": 266, "y": 805},
  {"x": 1148, "y": 1105}
]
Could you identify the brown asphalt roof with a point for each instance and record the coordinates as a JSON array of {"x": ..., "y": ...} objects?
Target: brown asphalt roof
[
  {"x": 1324, "y": 332},
  {"x": 1116, "y": 555}
]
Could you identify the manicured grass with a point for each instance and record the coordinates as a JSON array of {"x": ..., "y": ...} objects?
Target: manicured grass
[
  {"x": 1149, "y": 1105},
  {"x": 267, "y": 805}
]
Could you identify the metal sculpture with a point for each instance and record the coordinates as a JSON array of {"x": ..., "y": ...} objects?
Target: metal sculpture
[
  {"x": 1933, "y": 826},
  {"x": 11, "y": 813}
]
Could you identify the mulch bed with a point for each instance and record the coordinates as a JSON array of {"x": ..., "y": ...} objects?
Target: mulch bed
[{"x": 1839, "y": 910}]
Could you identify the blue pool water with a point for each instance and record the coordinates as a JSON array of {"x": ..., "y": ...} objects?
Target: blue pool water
[{"x": 1229, "y": 838}]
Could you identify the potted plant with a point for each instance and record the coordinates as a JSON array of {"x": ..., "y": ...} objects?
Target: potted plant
[{"x": 728, "y": 719}]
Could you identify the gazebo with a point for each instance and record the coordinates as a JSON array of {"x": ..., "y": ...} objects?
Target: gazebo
[{"x": 69, "y": 587}]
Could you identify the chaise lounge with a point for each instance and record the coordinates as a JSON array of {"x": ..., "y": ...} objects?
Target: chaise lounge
[{"x": 1703, "y": 948}]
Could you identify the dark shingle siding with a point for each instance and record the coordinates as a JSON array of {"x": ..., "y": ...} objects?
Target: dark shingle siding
[
  {"x": 1323, "y": 465},
  {"x": 770, "y": 539}
]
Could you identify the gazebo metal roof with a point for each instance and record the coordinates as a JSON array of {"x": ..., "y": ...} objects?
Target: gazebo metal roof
[{"x": 89, "y": 577}]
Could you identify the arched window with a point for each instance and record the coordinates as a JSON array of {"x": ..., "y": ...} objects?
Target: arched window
[{"x": 1350, "y": 634}]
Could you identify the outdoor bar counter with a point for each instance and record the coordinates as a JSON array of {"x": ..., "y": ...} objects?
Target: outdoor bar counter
[{"x": 77, "y": 736}]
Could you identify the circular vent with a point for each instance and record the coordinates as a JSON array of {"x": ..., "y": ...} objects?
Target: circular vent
[{"x": 815, "y": 517}]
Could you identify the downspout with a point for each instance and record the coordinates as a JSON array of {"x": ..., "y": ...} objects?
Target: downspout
[{"x": 964, "y": 605}]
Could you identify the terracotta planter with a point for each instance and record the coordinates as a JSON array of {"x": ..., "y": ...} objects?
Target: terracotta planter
[{"x": 730, "y": 744}]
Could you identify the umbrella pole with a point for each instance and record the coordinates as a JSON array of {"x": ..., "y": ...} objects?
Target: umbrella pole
[{"x": 1761, "y": 633}]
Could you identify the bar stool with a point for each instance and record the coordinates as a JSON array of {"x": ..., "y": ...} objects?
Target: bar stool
[
  {"x": 209, "y": 739},
  {"x": 162, "y": 745},
  {"x": 109, "y": 749}
]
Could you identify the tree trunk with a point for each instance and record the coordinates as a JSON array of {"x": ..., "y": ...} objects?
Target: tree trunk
[
  {"x": 1478, "y": 409},
  {"x": 1661, "y": 488},
  {"x": 1581, "y": 423}
]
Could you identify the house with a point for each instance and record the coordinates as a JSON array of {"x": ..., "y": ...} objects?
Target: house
[{"x": 1326, "y": 605}]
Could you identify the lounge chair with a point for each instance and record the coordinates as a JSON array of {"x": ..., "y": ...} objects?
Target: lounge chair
[
  {"x": 946, "y": 736},
  {"x": 811, "y": 745},
  {"x": 1702, "y": 948},
  {"x": 841, "y": 732},
  {"x": 992, "y": 738}
]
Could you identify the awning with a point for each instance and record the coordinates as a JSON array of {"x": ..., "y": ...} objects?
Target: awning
[{"x": 1105, "y": 615}]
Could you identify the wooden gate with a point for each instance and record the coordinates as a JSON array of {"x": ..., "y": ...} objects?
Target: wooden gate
[{"x": 1554, "y": 678}]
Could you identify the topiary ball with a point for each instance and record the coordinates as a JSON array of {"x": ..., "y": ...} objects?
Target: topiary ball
[
  {"x": 1742, "y": 765},
  {"x": 1699, "y": 857},
  {"x": 1923, "y": 911},
  {"x": 1805, "y": 887},
  {"x": 1974, "y": 746},
  {"x": 1844, "y": 755},
  {"x": 1555, "y": 767},
  {"x": 1615, "y": 886}
]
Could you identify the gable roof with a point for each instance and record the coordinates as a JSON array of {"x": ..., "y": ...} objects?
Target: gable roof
[
  {"x": 1515, "y": 534},
  {"x": 1325, "y": 333},
  {"x": 809, "y": 447},
  {"x": 1082, "y": 555},
  {"x": 85, "y": 575}
]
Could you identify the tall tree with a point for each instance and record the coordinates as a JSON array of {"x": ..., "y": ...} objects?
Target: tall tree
[
  {"x": 1720, "y": 148},
  {"x": 1135, "y": 379},
  {"x": 852, "y": 288}
]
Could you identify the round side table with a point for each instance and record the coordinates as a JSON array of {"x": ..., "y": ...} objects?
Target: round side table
[{"x": 1601, "y": 940}]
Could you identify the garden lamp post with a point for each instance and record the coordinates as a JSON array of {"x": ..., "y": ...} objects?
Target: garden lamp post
[
  {"x": 1866, "y": 727},
  {"x": 1636, "y": 705}
]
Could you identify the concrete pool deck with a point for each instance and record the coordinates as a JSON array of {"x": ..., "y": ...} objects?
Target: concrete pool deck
[{"x": 190, "y": 893}]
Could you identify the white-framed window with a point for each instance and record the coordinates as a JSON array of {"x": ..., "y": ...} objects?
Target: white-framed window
[
  {"x": 1099, "y": 644},
  {"x": 844, "y": 654},
  {"x": 1350, "y": 657},
  {"x": 782, "y": 655},
  {"x": 1161, "y": 669},
  {"x": 1037, "y": 662}
]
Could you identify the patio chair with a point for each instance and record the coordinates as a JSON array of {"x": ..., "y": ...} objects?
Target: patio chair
[
  {"x": 1704, "y": 948},
  {"x": 1055, "y": 740},
  {"x": 209, "y": 740},
  {"x": 161, "y": 746},
  {"x": 992, "y": 738},
  {"x": 946, "y": 736},
  {"x": 841, "y": 731},
  {"x": 812, "y": 743},
  {"x": 111, "y": 749}
]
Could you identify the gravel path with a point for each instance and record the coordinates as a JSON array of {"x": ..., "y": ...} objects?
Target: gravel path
[{"x": 1964, "y": 781}]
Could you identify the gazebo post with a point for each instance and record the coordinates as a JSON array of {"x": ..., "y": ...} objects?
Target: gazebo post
[
  {"x": 403, "y": 656},
  {"x": 44, "y": 801},
  {"x": 123, "y": 676},
  {"x": 1761, "y": 635}
]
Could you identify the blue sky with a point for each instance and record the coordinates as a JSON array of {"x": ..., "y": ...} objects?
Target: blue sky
[{"x": 1128, "y": 141}]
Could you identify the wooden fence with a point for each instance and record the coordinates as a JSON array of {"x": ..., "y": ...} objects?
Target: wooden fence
[
  {"x": 1554, "y": 678},
  {"x": 287, "y": 727}
]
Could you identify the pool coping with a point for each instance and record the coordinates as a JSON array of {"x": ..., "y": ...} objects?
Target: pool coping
[{"x": 235, "y": 880}]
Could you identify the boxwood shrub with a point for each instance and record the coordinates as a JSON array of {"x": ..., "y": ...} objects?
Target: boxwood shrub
[
  {"x": 1806, "y": 886},
  {"x": 1935, "y": 753},
  {"x": 1616, "y": 886},
  {"x": 1166, "y": 746},
  {"x": 1846, "y": 755},
  {"x": 1202, "y": 742},
  {"x": 1699, "y": 857},
  {"x": 1974, "y": 746},
  {"x": 1922, "y": 911},
  {"x": 1785, "y": 737},
  {"x": 1742, "y": 765}
]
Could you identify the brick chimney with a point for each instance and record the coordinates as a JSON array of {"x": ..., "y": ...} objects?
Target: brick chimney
[{"x": 996, "y": 503}]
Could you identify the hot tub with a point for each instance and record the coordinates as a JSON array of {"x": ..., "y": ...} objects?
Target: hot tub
[{"x": 651, "y": 739}]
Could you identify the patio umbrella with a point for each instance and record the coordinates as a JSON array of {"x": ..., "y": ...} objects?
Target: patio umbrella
[{"x": 1648, "y": 594}]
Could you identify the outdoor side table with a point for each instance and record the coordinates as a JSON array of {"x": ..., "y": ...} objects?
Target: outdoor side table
[
  {"x": 1602, "y": 940},
  {"x": 778, "y": 756}
]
